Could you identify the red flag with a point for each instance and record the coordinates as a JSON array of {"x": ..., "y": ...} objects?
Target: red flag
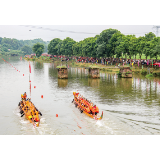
[
  {"x": 30, "y": 88},
  {"x": 29, "y": 67}
]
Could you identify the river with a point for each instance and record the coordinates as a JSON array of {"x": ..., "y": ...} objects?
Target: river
[{"x": 130, "y": 106}]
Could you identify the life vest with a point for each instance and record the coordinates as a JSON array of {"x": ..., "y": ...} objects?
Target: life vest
[
  {"x": 97, "y": 110},
  {"x": 30, "y": 117},
  {"x": 24, "y": 96},
  {"x": 36, "y": 118},
  {"x": 92, "y": 109},
  {"x": 27, "y": 103},
  {"x": 87, "y": 110}
]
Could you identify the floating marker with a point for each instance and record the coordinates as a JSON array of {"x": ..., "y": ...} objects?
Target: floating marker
[
  {"x": 17, "y": 70},
  {"x": 34, "y": 86},
  {"x": 56, "y": 115},
  {"x": 41, "y": 96},
  {"x": 23, "y": 74},
  {"x": 30, "y": 81}
]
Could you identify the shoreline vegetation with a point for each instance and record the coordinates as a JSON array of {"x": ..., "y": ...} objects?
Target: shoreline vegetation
[
  {"x": 40, "y": 59},
  {"x": 148, "y": 71},
  {"x": 109, "y": 51}
]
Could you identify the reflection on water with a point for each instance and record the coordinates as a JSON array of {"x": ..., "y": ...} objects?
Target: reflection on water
[
  {"x": 130, "y": 105},
  {"x": 93, "y": 82},
  {"x": 38, "y": 65},
  {"x": 62, "y": 83}
]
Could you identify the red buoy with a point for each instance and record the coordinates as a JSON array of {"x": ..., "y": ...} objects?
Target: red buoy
[
  {"x": 23, "y": 74},
  {"x": 34, "y": 86},
  {"x": 56, "y": 115},
  {"x": 41, "y": 96}
]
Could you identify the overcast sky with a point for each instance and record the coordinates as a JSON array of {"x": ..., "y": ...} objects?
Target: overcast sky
[{"x": 49, "y": 32}]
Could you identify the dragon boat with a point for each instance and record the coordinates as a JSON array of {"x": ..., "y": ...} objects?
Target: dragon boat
[
  {"x": 86, "y": 107},
  {"x": 28, "y": 109}
]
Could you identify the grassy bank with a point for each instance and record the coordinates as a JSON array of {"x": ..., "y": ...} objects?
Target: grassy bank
[
  {"x": 46, "y": 60},
  {"x": 138, "y": 57},
  {"x": 155, "y": 71}
]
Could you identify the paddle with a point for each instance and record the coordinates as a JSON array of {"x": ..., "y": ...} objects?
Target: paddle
[
  {"x": 38, "y": 111},
  {"x": 22, "y": 115}
]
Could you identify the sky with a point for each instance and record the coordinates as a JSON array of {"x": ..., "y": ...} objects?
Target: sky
[{"x": 76, "y": 32}]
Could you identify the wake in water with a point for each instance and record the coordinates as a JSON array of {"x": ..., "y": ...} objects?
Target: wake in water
[{"x": 30, "y": 129}]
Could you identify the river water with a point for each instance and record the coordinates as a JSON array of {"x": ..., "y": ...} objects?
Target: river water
[{"x": 130, "y": 106}]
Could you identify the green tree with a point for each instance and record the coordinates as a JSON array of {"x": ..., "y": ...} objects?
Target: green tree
[
  {"x": 27, "y": 50},
  {"x": 125, "y": 44},
  {"x": 101, "y": 50},
  {"x": 53, "y": 46},
  {"x": 89, "y": 47},
  {"x": 5, "y": 47},
  {"x": 149, "y": 36},
  {"x": 115, "y": 41},
  {"x": 140, "y": 46},
  {"x": 155, "y": 47},
  {"x": 66, "y": 46},
  {"x": 147, "y": 49},
  {"x": 104, "y": 49},
  {"x": 106, "y": 35},
  {"x": 38, "y": 48},
  {"x": 77, "y": 48},
  {"x": 59, "y": 48},
  {"x": 1, "y": 39},
  {"x": 133, "y": 49}
]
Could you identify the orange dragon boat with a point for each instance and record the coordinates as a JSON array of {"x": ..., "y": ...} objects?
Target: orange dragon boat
[
  {"x": 86, "y": 106},
  {"x": 28, "y": 109}
]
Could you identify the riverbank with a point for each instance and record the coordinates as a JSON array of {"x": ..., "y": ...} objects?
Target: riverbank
[
  {"x": 143, "y": 70},
  {"x": 74, "y": 64},
  {"x": 155, "y": 71},
  {"x": 46, "y": 60}
]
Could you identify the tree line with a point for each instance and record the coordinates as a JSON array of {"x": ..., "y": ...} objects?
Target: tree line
[
  {"x": 13, "y": 46},
  {"x": 108, "y": 44}
]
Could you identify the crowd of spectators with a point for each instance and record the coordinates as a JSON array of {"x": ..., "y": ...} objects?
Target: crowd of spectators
[
  {"x": 114, "y": 61},
  {"x": 106, "y": 61}
]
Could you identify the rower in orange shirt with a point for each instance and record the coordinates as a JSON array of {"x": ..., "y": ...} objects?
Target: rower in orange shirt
[
  {"x": 96, "y": 110},
  {"x": 24, "y": 95},
  {"x": 87, "y": 109}
]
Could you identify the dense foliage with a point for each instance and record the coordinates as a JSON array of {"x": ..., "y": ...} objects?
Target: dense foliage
[
  {"x": 38, "y": 48},
  {"x": 110, "y": 43},
  {"x": 13, "y": 46}
]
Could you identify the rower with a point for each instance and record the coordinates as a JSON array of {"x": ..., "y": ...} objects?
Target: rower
[
  {"x": 87, "y": 109},
  {"x": 22, "y": 96},
  {"x": 35, "y": 116},
  {"x": 38, "y": 111},
  {"x": 96, "y": 110},
  {"x": 25, "y": 95}
]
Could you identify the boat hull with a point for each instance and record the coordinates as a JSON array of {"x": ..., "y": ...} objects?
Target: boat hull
[{"x": 90, "y": 115}]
